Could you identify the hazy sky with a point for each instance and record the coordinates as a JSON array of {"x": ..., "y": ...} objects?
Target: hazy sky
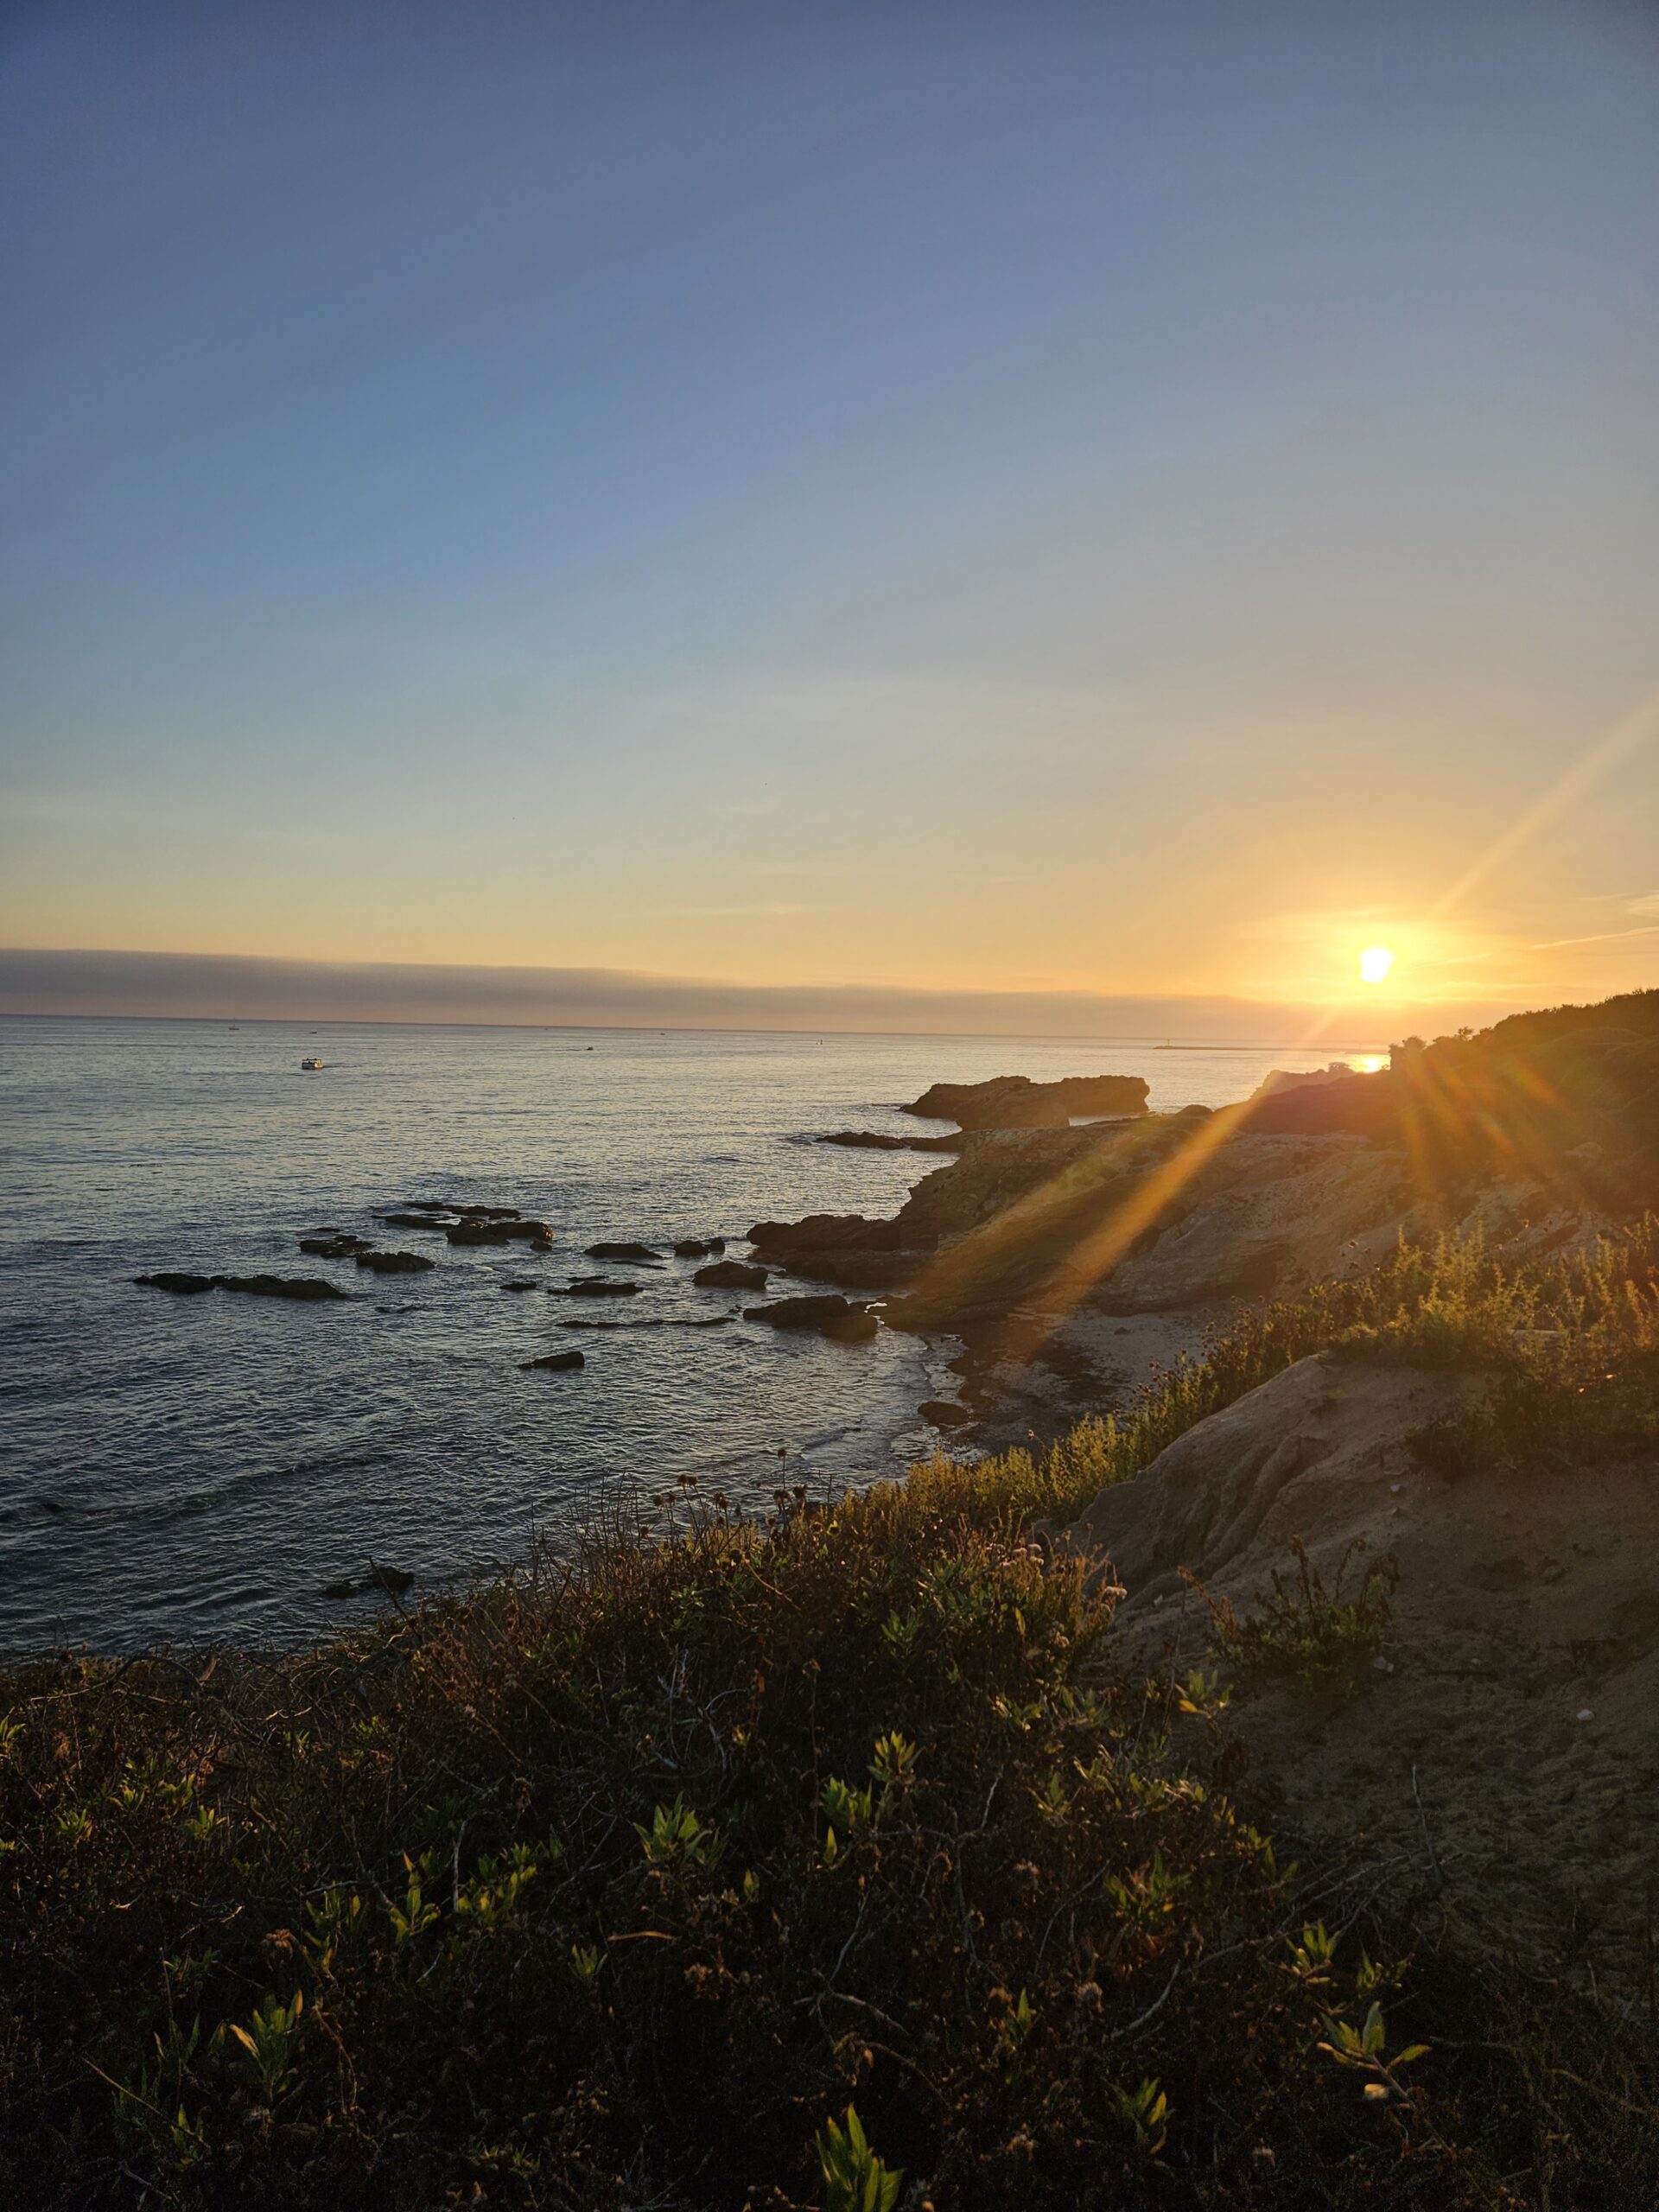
[{"x": 1107, "y": 498}]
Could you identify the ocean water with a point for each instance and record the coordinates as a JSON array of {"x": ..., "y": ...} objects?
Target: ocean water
[{"x": 197, "y": 1469}]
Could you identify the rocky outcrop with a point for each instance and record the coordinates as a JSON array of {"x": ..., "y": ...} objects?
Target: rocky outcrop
[
  {"x": 334, "y": 1244},
  {"x": 622, "y": 1251},
  {"x": 600, "y": 1287},
  {"x": 844, "y": 1248},
  {"x": 1015, "y": 1101},
  {"x": 730, "y": 1275},
  {"x": 698, "y": 1248},
  {"x": 555, "y": 1363}
]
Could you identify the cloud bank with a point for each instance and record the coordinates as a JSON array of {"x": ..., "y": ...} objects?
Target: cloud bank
[{"x": 225, "y": 986}]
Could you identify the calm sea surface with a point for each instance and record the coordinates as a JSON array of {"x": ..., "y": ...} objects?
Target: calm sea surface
[{"x": 198, "y": 1468}]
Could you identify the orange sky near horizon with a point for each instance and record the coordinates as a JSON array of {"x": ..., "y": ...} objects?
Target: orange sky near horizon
[{"x": 1101, "y": 500}]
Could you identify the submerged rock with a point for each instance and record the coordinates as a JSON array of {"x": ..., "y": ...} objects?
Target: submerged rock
[
  {"x": 943, "y": 1412},
  {"x": 423, "y": 1220},
  {"x": 334, "y": 1244},
  {"x": 522, "y": 1282},
  {"x": 395, "y": 1263},
  {"x": 622, "y": 1251},
  {"x": 555, "y": 1362},
  {"x": 597, "y": 1286},
  {"x": 512, "y": 1229},
  {"x": 308, "y": 1289},
  {"x": 698, "y": 1248},
  {"x": 731, "y": 1275}
]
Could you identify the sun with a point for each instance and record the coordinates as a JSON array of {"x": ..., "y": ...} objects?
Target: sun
[{"x": 1374, "y": 963}]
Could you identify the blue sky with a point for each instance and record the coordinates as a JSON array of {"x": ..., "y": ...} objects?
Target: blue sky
[{"x": 1110, "y": 498}]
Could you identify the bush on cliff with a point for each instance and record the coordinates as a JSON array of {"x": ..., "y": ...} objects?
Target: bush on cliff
[{"x": 618, "y": 1882}]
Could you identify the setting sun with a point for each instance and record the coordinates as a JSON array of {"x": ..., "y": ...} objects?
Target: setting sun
[{"x": 1374, "y": 963}]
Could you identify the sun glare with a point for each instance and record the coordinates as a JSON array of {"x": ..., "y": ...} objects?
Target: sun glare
[{"x": 1374, "y": 963}]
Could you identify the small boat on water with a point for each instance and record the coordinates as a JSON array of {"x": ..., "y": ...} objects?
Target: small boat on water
[{"x": 312, "y": 1063}]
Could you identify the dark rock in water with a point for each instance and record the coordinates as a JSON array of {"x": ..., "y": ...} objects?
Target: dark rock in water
[
  {"x": 597, "y": 1286},
  {"x": 396, "y": 1263},
  {"x": 874, "y": 1140},
  {"x": 487, "y": 1213},
  {"x": 307, "y": 1288},
  {"x": 393, "y": 1579},
  {"x": 731, "y": 1275},
  {"x": 335, "y": 1244},
  {"x": 427, "y": 1205},
  {"x": 943, "y": 1412},
  {"x": 825, "y": 1232},
  {"x": 621, "y": 1252},
  {"x": 833, "y": 1314},
  {"x": 421, "y": 1220},
  {"x": 510, "y": 1231},
  {"x": 856, "y": 1327},
  {"x": 555, "y": 1362},
  {"x": 844, "y": 1248},
  {"x": 698, "y": 1248},
  {"x": 522, "y": 1282}
]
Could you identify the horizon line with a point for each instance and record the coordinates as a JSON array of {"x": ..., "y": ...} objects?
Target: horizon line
[
  {"x": 39, "y": 981},
  {"x": 1158, "y": 1041}
]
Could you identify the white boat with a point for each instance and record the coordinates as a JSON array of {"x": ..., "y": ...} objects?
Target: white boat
[{"x": 312, "y": 1063}]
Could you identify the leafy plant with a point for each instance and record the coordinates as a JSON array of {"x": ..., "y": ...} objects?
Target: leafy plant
[
  {"x": 269, "y": 2045},
  {"x": 1321, "y": 1638},
  {"x": 854, "y": 2179}
]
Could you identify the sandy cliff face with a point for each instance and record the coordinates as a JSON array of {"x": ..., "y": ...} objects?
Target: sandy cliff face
[{"x": 1499, "y": 1771}]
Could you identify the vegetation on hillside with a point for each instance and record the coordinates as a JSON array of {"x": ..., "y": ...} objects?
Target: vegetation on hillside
[
  {"x": 824, "y": 1862},
  {"x": 1567, "y": 1097}
]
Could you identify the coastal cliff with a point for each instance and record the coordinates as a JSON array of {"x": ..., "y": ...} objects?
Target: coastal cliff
[{"x": 1241, "y": 1799}]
